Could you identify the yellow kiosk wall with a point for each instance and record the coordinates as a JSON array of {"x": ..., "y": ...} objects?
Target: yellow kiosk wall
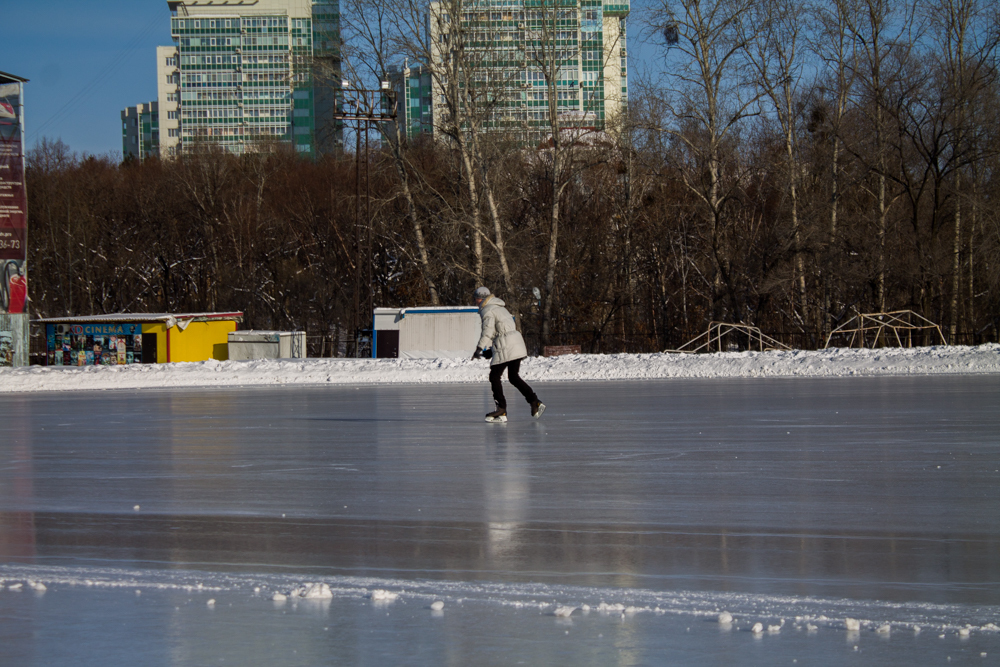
[{"x": 197, "y": 342}]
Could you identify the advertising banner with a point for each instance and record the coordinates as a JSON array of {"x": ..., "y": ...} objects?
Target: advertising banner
[
  {"x": 103, "y": 344},
  {"x": 13, "y": 201}
]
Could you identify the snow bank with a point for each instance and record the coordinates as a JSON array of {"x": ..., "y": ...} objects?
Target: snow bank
[{"x": 821, "y": 363}]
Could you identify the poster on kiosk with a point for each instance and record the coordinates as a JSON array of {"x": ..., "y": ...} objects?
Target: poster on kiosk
[{"x": 13, "y": 225}]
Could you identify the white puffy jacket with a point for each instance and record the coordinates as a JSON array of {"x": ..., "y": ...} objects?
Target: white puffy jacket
[{"x": 500, "y": 333}]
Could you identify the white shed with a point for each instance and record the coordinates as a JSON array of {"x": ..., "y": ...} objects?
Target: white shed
[
  {"x": 440, "y": 332},
  {"x": 257, "y": 344}
]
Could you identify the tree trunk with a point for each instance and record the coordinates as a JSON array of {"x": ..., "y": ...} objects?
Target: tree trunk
[
  {"x": 411, "y": 212},
  {"x": 956, "y": 262}
]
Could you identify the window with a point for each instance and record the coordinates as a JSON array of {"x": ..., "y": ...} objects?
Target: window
[
  {"x": 172, "y": 132},
  {"x": 228, "y": 23},
  {"x": 197, "y": 24},
  {"x": 218, "y": 60},
  {"x": 172, "y": 61},
  {"x": 171, "y": 97},
  {"x": 171, "y": 115},
  {"x": 180, "y": 23},
  {"x": 211, "y": 42}
]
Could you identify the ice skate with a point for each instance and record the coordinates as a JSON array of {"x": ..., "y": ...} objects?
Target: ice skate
[
  {"x": 537, "y": 408},
  {"x": 498, "y": 416}
]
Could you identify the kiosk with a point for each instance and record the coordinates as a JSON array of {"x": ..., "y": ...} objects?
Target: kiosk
[{"x": 135, "y": 338}]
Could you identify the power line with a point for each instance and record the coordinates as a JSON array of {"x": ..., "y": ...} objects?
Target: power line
[{"x": 99, "y": 78}]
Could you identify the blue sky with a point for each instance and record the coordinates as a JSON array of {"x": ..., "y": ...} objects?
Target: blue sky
[{"x": 86, "y": 61}]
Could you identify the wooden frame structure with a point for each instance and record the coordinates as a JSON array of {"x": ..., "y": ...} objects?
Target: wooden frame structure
[
  {"x": 718, "y": 333},
  {"x": 881, "y": 329}
]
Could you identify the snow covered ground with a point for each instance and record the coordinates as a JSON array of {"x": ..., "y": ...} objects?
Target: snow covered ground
[{"x": 983, "y": 359}]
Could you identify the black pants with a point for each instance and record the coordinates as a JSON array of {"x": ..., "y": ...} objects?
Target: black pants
[{"x": 513, "y": 368}]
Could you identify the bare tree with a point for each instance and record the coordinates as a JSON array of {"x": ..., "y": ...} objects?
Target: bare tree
[
  {"x": 836, "y": 49},
  {"x": 777, "y": 55},
  {"x": 372, "y": 29},
  {"x": 967, "y": 36},
  {"x": 710, "y": 95},
  {"x": 879, "y": 28}
]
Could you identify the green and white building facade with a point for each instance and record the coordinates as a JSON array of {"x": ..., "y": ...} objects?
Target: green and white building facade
[
  {"x": 518, "y": 46},
  {"x": 245, "y": 72},
  {"x": 140, "y": 131}
]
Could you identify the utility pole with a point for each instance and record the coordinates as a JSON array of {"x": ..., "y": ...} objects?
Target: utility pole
[{"x": 364, "y": 108}]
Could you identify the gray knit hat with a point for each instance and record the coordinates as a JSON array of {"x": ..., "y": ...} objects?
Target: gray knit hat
[{"x": 481, "y": 292}]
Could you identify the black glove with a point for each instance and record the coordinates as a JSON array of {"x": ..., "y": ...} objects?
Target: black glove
[
  {"x": 478, "y": 354},
  {"x": 488, "y": 353}
]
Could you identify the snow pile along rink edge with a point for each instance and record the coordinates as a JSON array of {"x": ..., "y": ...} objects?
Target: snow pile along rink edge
[{"x": 835, "y": 362}]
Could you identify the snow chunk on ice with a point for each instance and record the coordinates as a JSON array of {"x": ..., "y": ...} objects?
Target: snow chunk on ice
[
  {"x": 379, "y": 595},
  {"x": 852, "y": 624},
  {"x": 437, "y": 605},
  {"x": 564, "y": 610},
  {"x": 311, "y": 591},
  {"x": 725, "y": 618}
]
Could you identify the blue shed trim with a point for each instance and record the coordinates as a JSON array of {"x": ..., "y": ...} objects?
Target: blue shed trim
[{"x": 431, "y": 311}]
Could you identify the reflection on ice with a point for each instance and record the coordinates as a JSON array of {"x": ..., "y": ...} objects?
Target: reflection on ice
[{"x": 902, "y": 567}]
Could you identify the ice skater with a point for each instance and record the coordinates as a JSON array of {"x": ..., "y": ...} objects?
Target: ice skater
[{"x": 506, "y": 349}]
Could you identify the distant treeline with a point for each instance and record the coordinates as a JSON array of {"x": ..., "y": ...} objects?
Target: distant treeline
[{"x": 790, "y": 167}]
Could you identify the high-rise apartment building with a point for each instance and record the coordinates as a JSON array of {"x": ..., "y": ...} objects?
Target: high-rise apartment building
[
  {"x": 522, "y": 52},
  {"x": 168, "y": 100},
  {"x": 140, "y": 131},
  {"x": 414, "y": 87},
  {"x": 243, "y": 72}
]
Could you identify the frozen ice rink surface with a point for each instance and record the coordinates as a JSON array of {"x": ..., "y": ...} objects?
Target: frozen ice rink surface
[{"x": 856, "y": 520}]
